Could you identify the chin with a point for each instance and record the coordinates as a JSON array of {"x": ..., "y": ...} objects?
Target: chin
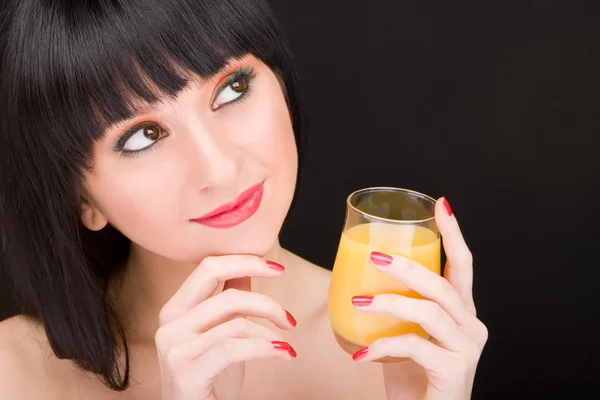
[
  {"x": 256, "y": 236},
  {"x": 258, "y": 242},
  {"x": 259, "y": 246},
  {"x": 261, "y": 232}
]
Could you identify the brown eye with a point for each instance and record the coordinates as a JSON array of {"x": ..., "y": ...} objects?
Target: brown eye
[
  {"x": 152, "y": 132},
  {"x": 238, "y": 85},
  {"x": 142, "y": 137}
]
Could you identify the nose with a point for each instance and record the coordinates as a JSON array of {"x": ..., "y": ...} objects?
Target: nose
[{"x": 213, "y": 160}]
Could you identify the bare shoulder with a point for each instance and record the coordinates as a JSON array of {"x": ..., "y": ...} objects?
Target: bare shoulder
[
  {"x": 17, "y": 338},
  {"x": 21, "y": 344}
]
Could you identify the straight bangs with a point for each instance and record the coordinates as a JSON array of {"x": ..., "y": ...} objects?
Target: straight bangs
[
  {"x": 90, "y": 62},
  {"x": 69, "y": 69}
]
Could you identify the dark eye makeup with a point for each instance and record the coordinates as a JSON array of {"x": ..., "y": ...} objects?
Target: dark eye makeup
[{"x": 240, "y": 84}]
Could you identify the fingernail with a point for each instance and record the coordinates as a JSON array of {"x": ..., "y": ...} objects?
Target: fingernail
[
  {"x": 447, "y": 206},
  {"x": 362, "y": 300},
  {"x": 362, "y": 353},
  {"x": 291, "y": 318},
  {"x": 285, "y": 346},
  {"x": 381, "y": 259},
  {"x": 275, "y": 266}
]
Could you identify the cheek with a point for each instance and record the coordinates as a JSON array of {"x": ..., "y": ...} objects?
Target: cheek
[
  {"x": 135, "y": 201},
  {"x": 272, "y": 139},
  {"x": 276, "y": 146}
]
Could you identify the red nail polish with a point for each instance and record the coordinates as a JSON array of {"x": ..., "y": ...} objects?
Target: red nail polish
[
  {"x": 362, "y": 300},
  {"x": 362, "y": 353},
  {"x": 285, "y": 346},
  {"x": 275, "y": 266},
  {"x": 447, "y": 206},
  {"x": 381, "y": 259},
  {"x": 291, "y": 318}
]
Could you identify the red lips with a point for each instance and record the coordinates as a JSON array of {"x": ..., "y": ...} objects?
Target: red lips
[{"x": 234, "y": 213}]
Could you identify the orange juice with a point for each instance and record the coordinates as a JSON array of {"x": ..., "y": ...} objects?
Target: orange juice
[{"x": 353, "y": 275}]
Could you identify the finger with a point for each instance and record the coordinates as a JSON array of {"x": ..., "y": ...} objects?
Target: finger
[
  {"x": 459, "y": 269},
  {"x": 205, "y": 279},
  {"x": 239, "y": 328},
  {"x": 227, "y": 305},
  {"x": 430, "y": 315},
  {"x": 425, "y": 282},
  {"x": 230, "y": 351},
  {"x": 423, "y": 352},
  {"x": 445, "y": 369},
  {"x": 231, "y": 303}
]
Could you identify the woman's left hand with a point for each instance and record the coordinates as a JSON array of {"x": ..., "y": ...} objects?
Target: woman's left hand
[{"x": 447, "y": 313}]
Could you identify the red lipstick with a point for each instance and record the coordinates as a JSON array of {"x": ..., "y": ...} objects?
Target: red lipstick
[{"x": 234, "y": 213}]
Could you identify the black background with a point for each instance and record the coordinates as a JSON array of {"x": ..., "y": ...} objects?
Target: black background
[{"x": 494, "y": 105}]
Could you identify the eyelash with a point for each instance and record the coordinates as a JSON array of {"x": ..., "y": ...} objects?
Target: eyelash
[
  {"x": 247, "y": 73},
  {"x": 244, "y": 72}
]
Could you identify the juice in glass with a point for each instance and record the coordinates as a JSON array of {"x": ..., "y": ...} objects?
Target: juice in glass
[{"x": 410, "y": 232}]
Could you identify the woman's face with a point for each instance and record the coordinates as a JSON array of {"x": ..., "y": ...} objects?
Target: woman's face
[{"x": 159, "y": 176}]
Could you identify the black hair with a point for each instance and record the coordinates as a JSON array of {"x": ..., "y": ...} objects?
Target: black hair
[{"x": 68, "y": 70}]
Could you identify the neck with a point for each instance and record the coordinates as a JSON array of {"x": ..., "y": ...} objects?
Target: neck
[{"x": 148, "y": 281}]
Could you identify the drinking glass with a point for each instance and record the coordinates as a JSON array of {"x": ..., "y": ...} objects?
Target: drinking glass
[{"x": 389, "y": 220}]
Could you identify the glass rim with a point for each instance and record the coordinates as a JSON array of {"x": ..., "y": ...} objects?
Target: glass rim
[{"x": 391, "y": 189}]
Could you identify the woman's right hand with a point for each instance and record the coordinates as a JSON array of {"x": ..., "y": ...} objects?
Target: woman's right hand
[{"x": 201, "y": 334}]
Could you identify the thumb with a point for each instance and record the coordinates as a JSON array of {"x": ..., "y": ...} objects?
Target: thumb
[{"x": 459, "y": 266}]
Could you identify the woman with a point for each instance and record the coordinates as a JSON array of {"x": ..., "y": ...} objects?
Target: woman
[{"x": 149, "y": 156}]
